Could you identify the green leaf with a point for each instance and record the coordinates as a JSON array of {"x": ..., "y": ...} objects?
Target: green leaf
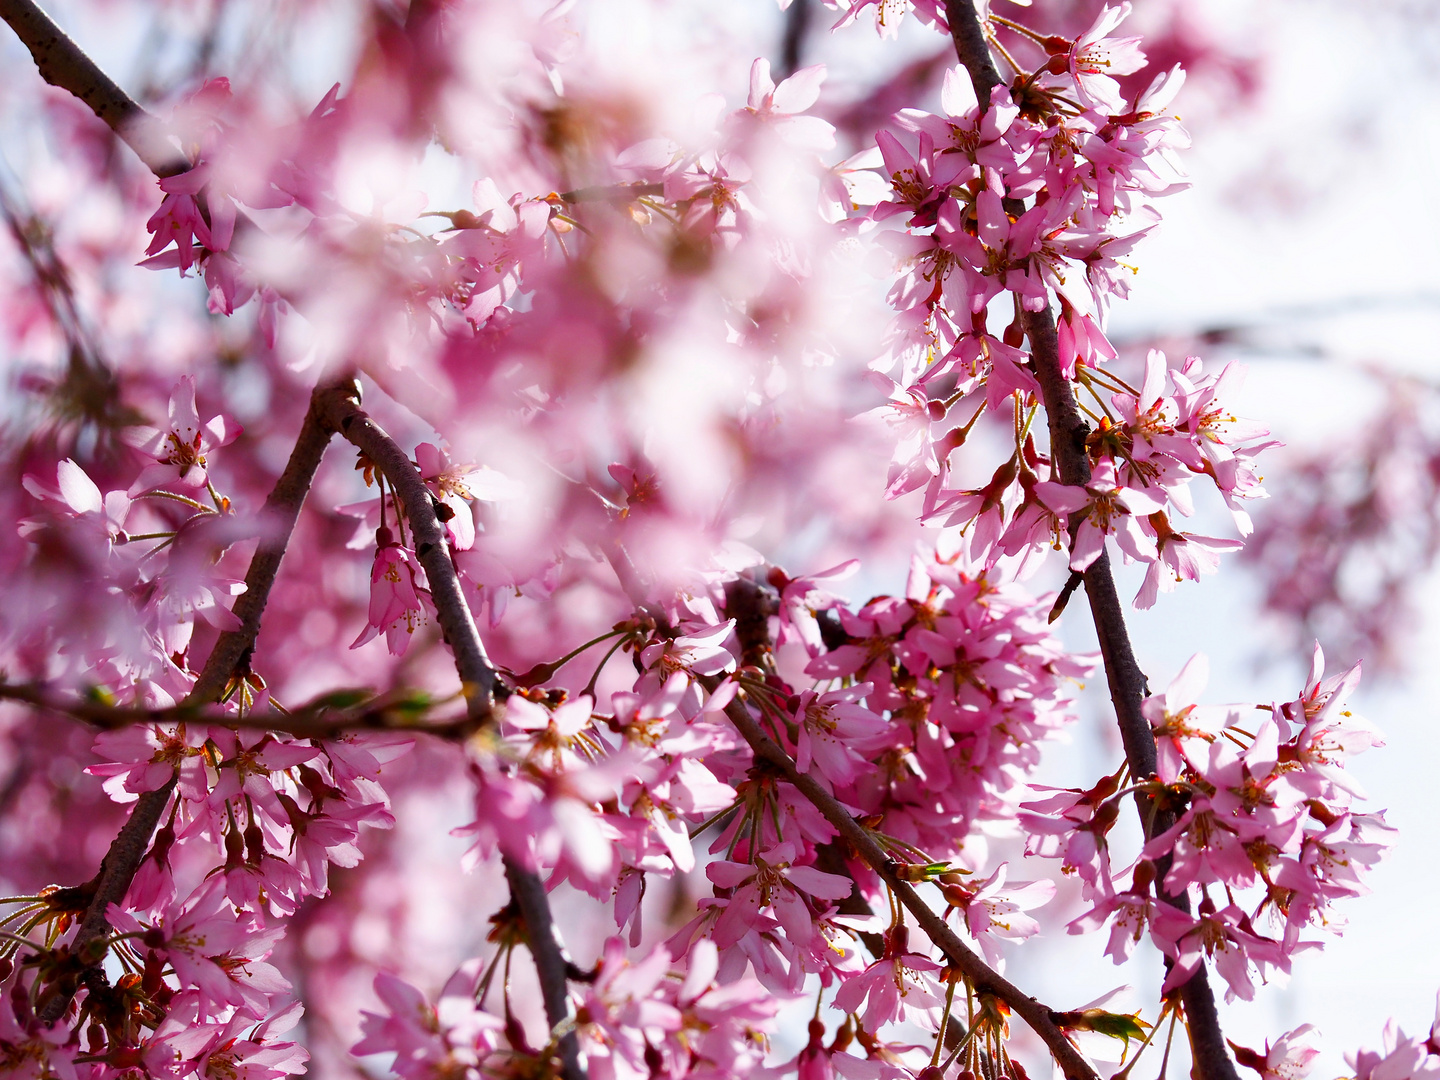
[
  {"x": 1123, "y": 1026},
  {"x": 342, "y": 699}
]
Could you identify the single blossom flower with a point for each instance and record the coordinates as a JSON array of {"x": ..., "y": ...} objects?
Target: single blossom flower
[
  {"x": 397, "y": 583},
  {"x": 181, "y": 450}
]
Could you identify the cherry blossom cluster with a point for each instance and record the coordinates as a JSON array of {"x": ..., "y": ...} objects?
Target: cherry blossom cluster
[
  {"x": 400, "y": 601},
  {"x": 1141, "y": 468},
  {"x": 251, "y": 830},
  {"x": 142, "y": 560},
  {"x": 938, "y": 701},
  {"x": 466, "y": 277},
  {"x": 1265, "y": 839},
  {"x": 973, "y": 682},
  {"x": 637, "y": 1019},
  {"x": 1401, "y": 1055},
  {"x": 1092, "y": 161},
  {"x": 255, "y": 820}
]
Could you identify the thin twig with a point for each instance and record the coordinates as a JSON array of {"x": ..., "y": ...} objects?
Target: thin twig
[
  {"x": 321, "y": 719},
  {"x": 1128, "y": 686}
]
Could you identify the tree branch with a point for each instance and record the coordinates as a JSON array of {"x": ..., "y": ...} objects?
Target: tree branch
[
  {"x": 957, "y": 953},
  {"x": 322, "y": 718},
  {"x": 122, "y": 860},
  {"x": 477, "y": 676},
  {"x": 1128, "y": 686},
  {"x": 231, "y": 655},
  {"x": 550, "y": 964},
  {"x": 792, "y": 45},
  {"x": 64, "y": 64},
  {"x": 972, "y": 48}
]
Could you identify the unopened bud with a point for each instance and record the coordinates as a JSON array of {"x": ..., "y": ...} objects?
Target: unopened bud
[
  {"x": 254, "y": 844},
  {"x": 899, "y": 939},
  {"x": 955, "y": 896},
  {"x": 1143, "y": 877}
]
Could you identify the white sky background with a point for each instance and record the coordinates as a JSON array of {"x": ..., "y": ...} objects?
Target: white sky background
[{"x": 1322, "y": 195}]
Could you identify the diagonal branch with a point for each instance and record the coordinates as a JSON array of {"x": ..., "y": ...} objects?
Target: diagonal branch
[
  {"x": 230, "y": 655},
  {"x": 957, "y": 953},
  {"x": 64, "y": 64},
  {"x": 1128, "y": 686},
  {"x": 477, "y": 676}
]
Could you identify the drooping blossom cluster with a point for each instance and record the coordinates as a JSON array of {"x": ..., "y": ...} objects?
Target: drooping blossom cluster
[
  {"x": 144, "y": 556},
  {"x": 1266, "y": 837},
  {"x": 975, "y": 248}
]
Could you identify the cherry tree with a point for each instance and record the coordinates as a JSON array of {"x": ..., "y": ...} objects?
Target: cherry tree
[{"x": 432, "y": 441}]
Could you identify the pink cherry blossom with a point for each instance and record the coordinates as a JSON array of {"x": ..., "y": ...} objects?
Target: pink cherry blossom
[{"x": 181, "y": 450}]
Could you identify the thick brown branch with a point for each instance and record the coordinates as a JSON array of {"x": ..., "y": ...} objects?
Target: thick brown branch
[
  {"x": 1128, "y": 686},
  {"x": 792, "y": 46},
  {"x": 530, "y": 897},
  {"x": 957, "y": 953},
  {"x": 972, "y": 48},
  {"x": 62, "y": 63},
  {"x": 1068, "y": 430},
  {"x": 111, "y": 884}
]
